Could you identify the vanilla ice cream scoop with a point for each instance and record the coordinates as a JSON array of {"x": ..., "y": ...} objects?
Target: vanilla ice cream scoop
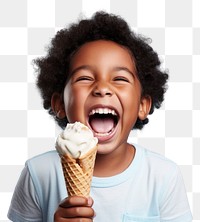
[{"x": 76, "y": 140}]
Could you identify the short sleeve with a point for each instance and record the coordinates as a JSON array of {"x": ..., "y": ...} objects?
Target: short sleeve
[
  {"x": 24, "y": 204},
  {"x": 174, "y": 205}
]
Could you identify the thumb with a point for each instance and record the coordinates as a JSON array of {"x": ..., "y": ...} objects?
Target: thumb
[{"x": 90, "y": 201}]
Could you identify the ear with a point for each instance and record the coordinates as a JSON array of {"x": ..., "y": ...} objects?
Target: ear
[
  {"x": 57, "y": 105},
  {"x": 145, "y": 106}
]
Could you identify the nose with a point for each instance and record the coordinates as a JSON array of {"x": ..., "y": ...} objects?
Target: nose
[{"x": 102, "y": 89}]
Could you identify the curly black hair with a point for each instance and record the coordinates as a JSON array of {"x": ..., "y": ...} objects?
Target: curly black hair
[{"x": 53, "y": 68}]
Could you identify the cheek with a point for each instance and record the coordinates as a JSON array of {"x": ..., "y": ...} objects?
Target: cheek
[
  {"x": 74, "y": 103},
  {"x": 130, "y": 100}
]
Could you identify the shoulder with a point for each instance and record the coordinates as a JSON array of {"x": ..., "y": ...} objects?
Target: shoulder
[
  {"x": 157, "y": 165},
  {"x": 50, "y": 155},
  {"x": 41, "y": 182},
  {"x": 160, "y": 172},
  {"x": 44, "y": 165},
  {"x": 155, "y": 159},
  {"x": 50, "y": 158}
]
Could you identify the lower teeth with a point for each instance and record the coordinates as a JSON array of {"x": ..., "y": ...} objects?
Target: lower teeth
[{"x": 102, "y": 134}]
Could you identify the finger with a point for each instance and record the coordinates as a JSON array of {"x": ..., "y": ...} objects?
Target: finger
[
  {"x": 73, "y": 220},
  {"x": 59, "y": 218},
  {"x": 81, "y": 212},
  {"x": 74, "y": 201},
  {"x": 90, "y": 201},
  {"x": 73, "y": 212}
]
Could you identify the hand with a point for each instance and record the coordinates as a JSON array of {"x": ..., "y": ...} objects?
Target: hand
[{"x": 76, "y": 209}]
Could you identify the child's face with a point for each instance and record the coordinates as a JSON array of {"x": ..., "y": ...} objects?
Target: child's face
[{"x": 103, "y": 80}]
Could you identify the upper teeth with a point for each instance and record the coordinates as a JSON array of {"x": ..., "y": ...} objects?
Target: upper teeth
[{"x": 103, "y": 111}]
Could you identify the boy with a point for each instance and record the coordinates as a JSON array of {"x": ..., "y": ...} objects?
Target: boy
[{"x": 100, "y": 73}]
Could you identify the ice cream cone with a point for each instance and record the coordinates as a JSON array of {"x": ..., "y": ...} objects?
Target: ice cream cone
[{"x": 78, "y": 173}]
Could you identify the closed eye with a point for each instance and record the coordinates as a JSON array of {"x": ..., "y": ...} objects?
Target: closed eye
[
  {"x": 82, "y": 74},
  {"x": 121, "y": 78},
  {"x": 84, "y": 79}
]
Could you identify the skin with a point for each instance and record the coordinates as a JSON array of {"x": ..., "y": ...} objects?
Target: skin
[{"x": 103, "y": 74}]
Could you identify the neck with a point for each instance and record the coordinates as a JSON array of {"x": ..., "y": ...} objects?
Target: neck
[{"x": 111, "y": 164}]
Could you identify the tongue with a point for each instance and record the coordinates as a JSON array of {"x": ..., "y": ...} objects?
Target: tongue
[{"x": 102, "y": 125}]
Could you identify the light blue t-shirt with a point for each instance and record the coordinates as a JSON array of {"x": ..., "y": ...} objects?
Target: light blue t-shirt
[{"x": 151, "y": 189}]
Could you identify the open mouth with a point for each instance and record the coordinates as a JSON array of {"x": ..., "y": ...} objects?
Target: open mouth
[{"x": 103, "y": 121}]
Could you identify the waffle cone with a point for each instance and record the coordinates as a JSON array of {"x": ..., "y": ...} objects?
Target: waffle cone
[{"x": 78, "y": 173}]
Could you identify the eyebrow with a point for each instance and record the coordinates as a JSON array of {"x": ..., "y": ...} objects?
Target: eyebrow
[
  {"x": 83, "y": 67},
  {"x": 122, "y": 68},
  {"x": 88, "y": 67}
]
